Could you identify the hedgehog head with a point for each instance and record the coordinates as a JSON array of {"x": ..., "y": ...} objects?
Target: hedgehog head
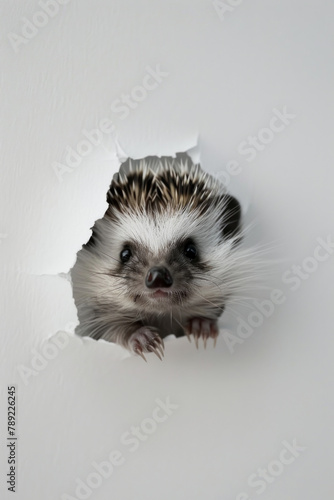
[{"x": 167, "y": 239}]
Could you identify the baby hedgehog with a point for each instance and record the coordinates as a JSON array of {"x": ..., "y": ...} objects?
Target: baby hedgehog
[{"x": 163, "y": 259}]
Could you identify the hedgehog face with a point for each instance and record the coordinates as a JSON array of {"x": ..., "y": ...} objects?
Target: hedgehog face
[
  {"x": 159, "y": 280},
  {"x": 151, "y": 261},
  {"x": 160, "y": 262}
]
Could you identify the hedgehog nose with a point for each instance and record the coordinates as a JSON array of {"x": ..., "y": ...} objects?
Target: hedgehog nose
[{"x": 158, "y": 277}]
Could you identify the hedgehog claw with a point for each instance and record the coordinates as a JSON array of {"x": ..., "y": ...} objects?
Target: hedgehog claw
[
  {"x": 188, "y": 334},
  {"x": 160, "y": 349},
  {"x": 146, "y": 339},
  {"x": 156, "y": 347},
  {"x": 140, "y": 353},
  {"x": 214, "y": 333},
  {"x": 202, "y": 328},
  {"x": 155, "y": 350},
  {"x": 157, "y": 343}
]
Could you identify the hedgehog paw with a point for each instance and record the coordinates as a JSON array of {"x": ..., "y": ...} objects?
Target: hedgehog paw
[
  {"x": 202, "y": 328},
  {"x": 146, "y": 339}
]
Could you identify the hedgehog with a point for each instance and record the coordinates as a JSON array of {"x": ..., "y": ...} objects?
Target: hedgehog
[{"x": 164, "y": 259}]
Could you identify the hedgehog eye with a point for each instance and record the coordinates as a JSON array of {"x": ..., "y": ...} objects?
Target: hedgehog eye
[
  {"x": 125, "y": 254},
  {"x": 190, "y": 251}
]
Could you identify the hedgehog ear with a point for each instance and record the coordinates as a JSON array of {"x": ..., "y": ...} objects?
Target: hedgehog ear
[{"x": 231, "y": 216}]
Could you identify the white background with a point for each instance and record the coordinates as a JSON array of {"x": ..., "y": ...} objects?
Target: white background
[{"x": 226, "y": 74}]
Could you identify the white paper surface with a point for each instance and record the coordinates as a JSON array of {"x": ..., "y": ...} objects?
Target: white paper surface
[{"x": 168, "y": 75}]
